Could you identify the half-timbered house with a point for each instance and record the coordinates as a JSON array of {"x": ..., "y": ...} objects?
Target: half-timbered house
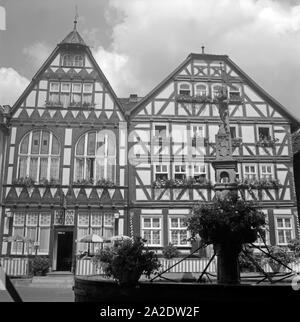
[
  {"x": 65, "y": 163},
  {"x": 169, "y": 171}
]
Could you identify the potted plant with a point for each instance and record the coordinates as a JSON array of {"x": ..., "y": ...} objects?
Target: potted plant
[
  {"x": 126, "y": 261},
  {"x": 40, "y": 265},
  {"x": 227, "y": 224}
]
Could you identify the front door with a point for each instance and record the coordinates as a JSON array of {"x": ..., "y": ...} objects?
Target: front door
[{"x": 64, "y": 250}]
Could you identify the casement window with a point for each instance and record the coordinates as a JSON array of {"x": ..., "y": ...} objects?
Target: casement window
[
  {"x": 180, "y": 171},
  {"x": 198, "y": 131},
  {"x": 178, "y": 233},
  {"x": 199, "y": 172},
  {"x": 71, "y": 94},
  {"x": 266, "y": 171},
  {"x": 265, "y": 233},
  {"x": 54, "y": 92},
  {"x": 264, "y": 133},
  {"x": 101, "y": 224},
  {"x": 250, "y": 171},
  {"x": 35, "y": 227},
  {"x": 39, "y": 155},
  {"x": 234, "y": 92},
  {"x": 151, "y": 229},
  {"x": 284, "y": 229},
  {"x": 201, "y": 90},
  {"x": 217, "y": 89},
  {"x": 185, "y": 89},
  {"x": 95, "y": 157},
  {"x": 72, "y": 60},
  {"x": 161, "y": 172}
]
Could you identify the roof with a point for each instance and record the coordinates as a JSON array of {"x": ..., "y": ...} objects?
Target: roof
[
  {"x": 128, "y": 103},
  {"x": 73, "y": 38},
  {"x": 295, "y": 122}
]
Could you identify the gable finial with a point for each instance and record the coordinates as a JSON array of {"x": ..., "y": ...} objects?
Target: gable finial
[{"x": 76, "y": 17}]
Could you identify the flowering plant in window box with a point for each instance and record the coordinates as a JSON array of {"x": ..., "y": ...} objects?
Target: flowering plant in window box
[
  {"x": 53, "y": 104},
  {"x": 84, "y": 182},
  {"x": 258, "y": 184},
  {"x": 87, "y": 104},
  {"x": 193, "y": 99},
  {"x": 27, "y": 182},
  {"x": 75, "y": 104},
  {"x": 181, "y": 183},
  {"x": 127, "y": 261},
  {"x": 46, "y": 182},
  {"x": 266, "y": 141},
  {"x": 105, "y": 183}
]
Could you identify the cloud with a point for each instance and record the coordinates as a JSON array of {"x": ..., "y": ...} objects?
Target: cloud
[
  {"x": 37, "y": 53},
  {"x": 12, "y": 84},
  {"x": 154, "y": 37}
]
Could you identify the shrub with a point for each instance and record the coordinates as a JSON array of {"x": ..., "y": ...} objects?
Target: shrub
[
  {"x": 127, "y": 261},
  {"x": 39, "y": 265},
  {"x": 170, "y": 251},
  {"x": 228, "y": 220},
  {"x": 294, "y": 246},
  {"x": 280, "y": 253}
]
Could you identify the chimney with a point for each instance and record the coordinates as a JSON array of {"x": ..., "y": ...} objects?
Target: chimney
[{"x": 133, "y": 98}]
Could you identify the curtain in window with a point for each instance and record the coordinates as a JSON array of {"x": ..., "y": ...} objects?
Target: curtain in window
[
  {"x": 81, "y": 232},
  {"x": 87, "y": 98},
  {"x": 91, "y": 143},
  {"x": 79, "y": 168},
  {"x": 44, "y": 238},
  {"x": 80, "y": 146},
  {"x": 76, "y": 98},
  {"x": 24, "y": 145},
  {"x": 45, "y": 142},
  {"x": 110, "y": 169},
  {"x": 31, "y": 234},
  {"x": 54, "y": 169},
  {"x": 65, "y": 99},
  {"x": 54, "y": 97},
  {"x": 17, "y": 247},
  {"x": 35, "y": 144},
  {"x": 33, "y": 167},
  {"x": 43, "y": 168},
  {"x": 22, "y": 167},
  {"x": 99, "y": 169}
]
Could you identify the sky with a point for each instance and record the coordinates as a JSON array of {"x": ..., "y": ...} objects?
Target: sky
[{"x": 137, "y": 43}]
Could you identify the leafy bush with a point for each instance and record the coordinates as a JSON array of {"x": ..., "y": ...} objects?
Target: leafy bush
[
  {"x": 294, "y": 246},
  {"x": 127, "y": 261},
  {"x": 245, "y": 263},
  {"x": 170, "y": 251},
  {"x": 228, "y": 220},
  {"x": 39, "y": 265},
  {"x": 280, "y": 253}
]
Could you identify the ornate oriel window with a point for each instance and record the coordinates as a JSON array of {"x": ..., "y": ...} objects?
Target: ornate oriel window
[
  {"x": 39, "y": 155},
  {"x": 95, "y": 156}
]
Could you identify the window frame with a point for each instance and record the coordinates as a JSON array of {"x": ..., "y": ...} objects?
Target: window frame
[
  {"x": 155, "y": 172},
  {"x": 264, "y": 126},
  {"x": 277, "y": 229},
  {"x": 152, "y": 228},
  {"x": 201, "y": 84},
  {"x": 255, "y": 173},
  {"x": 190, "y": 88},
  {"x": 178, "y": 217}
]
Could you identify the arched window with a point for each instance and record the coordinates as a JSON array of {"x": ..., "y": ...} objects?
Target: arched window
[
  {"x": 224, "y": 177},
  {"x": 201, "y": 90},
  {"x": 39, "y": 153},
  {"x": 185, "y": 89},
  {"x": 95, "y": 156},
  {"x": 68, "y": 60}
]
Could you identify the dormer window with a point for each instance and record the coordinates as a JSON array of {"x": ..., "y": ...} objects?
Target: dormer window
[
  {"x": 72, "y": 60},
  {"x": 185, "y": 89},
  {"x": 234, "y": 93}
]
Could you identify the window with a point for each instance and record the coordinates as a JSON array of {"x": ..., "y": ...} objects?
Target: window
[
  {"x": 185, "y": 89},
  {"x": 36, "y": 228},
  {"x": 266, "y": 171},
  {"x": 264, "y": 236},
  {"x": 72, "y": 60},
  {"x": 217, "y": 89},
  {"x": 284, "y": 229},
  {"x": 39, "y": 156},
  {"x": 264, "y": 133},
  {"x": 199, "y": 172},
  {"x": 161, "y": 172},
  {"x": 201, "y": 90},
  {"x": 179, "y": 172},
  {"x": 198, "y": 131},
  {"x": 152, "y": 230},
  {"x": 101, "y": 224},
  {"x": 74, "y": 94},
  {"x": 250, "y": 172},
  {"x": 178, "y": 234},
  {"x": 54, "y": 92},
  {"x": 95, "y": 156},
  {"x": 160, "y": 130},
  {"x": 234, "y": 92},
  {"x": 233, "y": 132}
]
